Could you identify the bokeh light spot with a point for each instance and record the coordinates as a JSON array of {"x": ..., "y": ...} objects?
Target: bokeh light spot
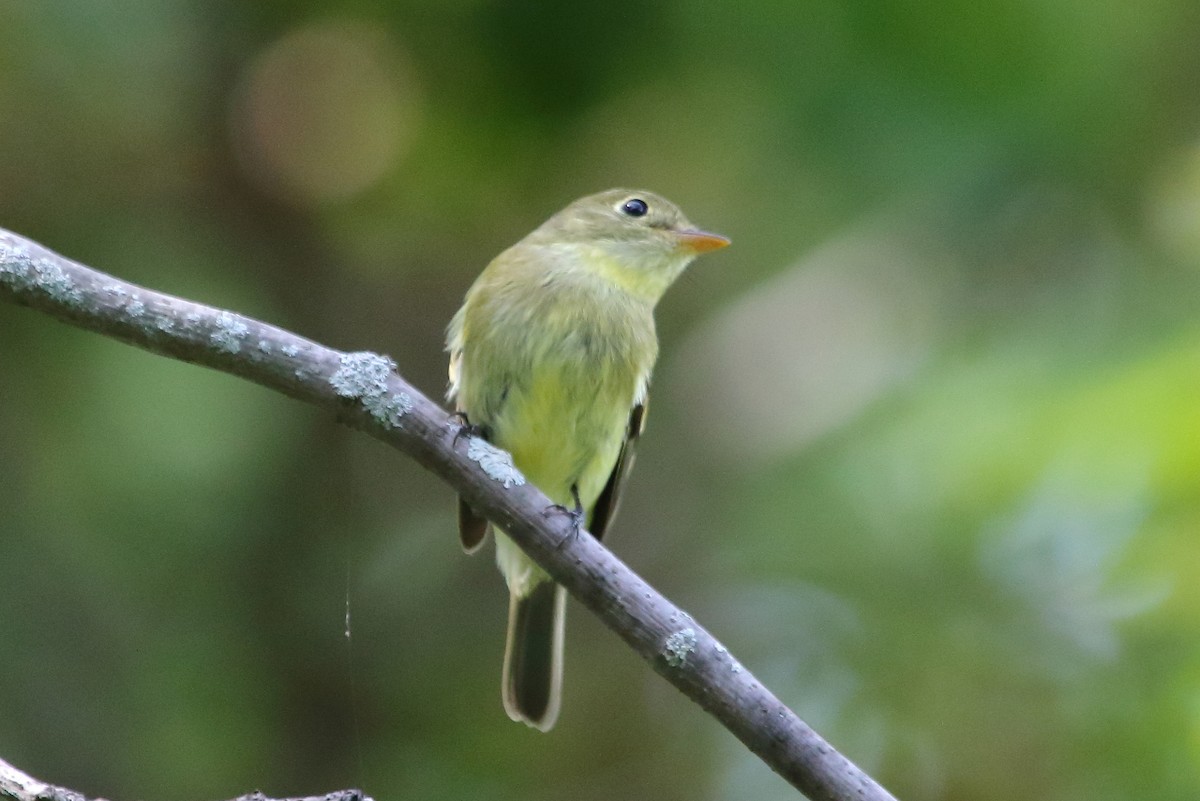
[
  {"x": 1174, "y": 204},
  {"x": 807, "y": 351},
  {"x": 325, "y": 112}
]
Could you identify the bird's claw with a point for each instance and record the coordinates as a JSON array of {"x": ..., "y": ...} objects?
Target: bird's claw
[
  {"x": 575, "y": 515},
  {"x": 465, "y": 428}
]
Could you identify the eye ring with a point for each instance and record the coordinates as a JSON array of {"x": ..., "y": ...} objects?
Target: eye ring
[{"x": 635, "y": 207}]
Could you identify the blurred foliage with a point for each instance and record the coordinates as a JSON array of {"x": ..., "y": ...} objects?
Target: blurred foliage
[{"x": 925, "y": 449}]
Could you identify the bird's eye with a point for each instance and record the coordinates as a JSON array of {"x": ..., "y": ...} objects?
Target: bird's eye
[{"x": 635, "y": 207}]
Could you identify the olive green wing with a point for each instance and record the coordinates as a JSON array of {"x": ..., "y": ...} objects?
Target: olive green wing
[
  {"x": 605, "y": 508},
  {"x": 472, "y": 528}
]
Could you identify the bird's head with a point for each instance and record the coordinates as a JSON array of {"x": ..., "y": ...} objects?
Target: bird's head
[{"x": 641, "y": 234}]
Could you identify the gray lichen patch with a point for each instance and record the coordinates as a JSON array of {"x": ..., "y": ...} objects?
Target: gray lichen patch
[
  {"x": 16, "y": 267},
  {"x": 22, "y": 271},
  {"x": 679, "y": 646},
  {"x": 388, "y": 409},
  {"x": 51, "y": 279},
  {"x": 229, "y": 333},
  {"x": 364, "y": 376},
  {"x": 498, "y": 464}
]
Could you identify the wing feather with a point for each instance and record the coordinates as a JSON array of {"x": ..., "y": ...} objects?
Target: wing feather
[
  {"x": 472, "y": 528},
  {"x": 605, "y": 508}
]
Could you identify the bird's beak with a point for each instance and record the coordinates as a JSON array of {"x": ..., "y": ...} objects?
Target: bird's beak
[{"x": 700, "y": 241}]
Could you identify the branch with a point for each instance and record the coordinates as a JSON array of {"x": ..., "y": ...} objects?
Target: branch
[
  {"x": 16, "y": 785},
  {"x": 364, "y": 391}
]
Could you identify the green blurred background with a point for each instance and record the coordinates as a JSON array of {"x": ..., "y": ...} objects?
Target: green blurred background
[{"x": 925, "y": 442}]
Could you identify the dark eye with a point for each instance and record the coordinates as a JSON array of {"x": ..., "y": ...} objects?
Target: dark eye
[{"x": 635, "y": 207}]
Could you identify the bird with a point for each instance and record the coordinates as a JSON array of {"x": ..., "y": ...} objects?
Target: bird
[{"x": 550, "y": 359}]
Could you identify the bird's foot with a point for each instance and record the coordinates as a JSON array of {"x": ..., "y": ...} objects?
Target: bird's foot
[
  {"x": 576, "y": 516},
  {"x": 466, "y": 428}
]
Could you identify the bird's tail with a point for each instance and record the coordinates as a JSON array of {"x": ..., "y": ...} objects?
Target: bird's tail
[{"x": 533, "y": 655}]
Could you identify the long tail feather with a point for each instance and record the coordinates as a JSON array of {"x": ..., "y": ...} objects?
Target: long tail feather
[{"x": 533, "y": 655}]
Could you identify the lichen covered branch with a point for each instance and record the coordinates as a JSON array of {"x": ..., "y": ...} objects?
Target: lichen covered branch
[
  {"x": 16, "y": 785},
  {"x": 365, "y": 392}
]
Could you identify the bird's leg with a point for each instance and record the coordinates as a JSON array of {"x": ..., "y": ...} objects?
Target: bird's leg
[
  {"x": 575, "y": 514},
  {"x": 466, "y": 428}
]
